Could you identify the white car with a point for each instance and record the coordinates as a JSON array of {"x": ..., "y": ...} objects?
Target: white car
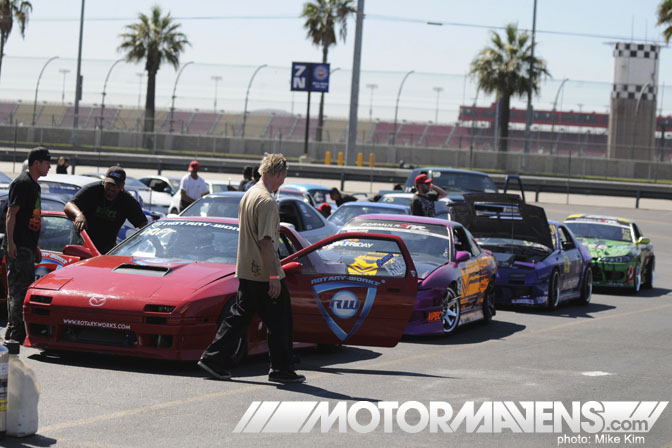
[{"x": 171, "y": 185}]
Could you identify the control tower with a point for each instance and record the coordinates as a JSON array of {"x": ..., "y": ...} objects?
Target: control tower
[{"x": 632, "y": 118}]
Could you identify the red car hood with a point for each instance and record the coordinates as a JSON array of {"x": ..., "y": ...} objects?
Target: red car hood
[{"x": 159, "y": 281}]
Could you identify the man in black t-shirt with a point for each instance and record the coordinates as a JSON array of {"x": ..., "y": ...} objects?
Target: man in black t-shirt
[
  {"x": 422, "y": 203},
  {"x": 23, "y": 222},
  {"x": 103, "y": 208}
]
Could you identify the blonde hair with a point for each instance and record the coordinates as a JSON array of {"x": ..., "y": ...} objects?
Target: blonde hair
[{"x": 272, "y": 164}]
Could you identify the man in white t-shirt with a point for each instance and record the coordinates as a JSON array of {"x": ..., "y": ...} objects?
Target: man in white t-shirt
[{"x": 192, "y": 186}]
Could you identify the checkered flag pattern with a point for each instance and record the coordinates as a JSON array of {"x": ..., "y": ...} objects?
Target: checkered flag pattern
[
  {"x": 627, "y": 50},
  {"x": 632, "y": 92}
]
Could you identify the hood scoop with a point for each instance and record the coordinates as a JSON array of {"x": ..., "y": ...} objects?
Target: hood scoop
[{"x": 149, "y": 271}]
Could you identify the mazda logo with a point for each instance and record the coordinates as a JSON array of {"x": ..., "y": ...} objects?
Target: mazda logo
[{"x": 97, "y": 301}]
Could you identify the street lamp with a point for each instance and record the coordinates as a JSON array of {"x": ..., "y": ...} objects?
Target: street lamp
[
  {"x": 396, "y": 108},
  {"x": 473, "y": 134},
  {"x": 438, "y": 91},
  {"x": 64, "y": 71},
  {"x": 553, "y": 114},
  {"x": 372, "y": 87},
  {"x": 38, "y": 86},
  {"x": 528, "y": 121},
  {"x": 140, "y": 77},
  {"x": 247, "y": 94},
  {"x": 102, "y": 102},
  {"x": 172, "y": 104},
  {"x": 216, "y": 79}
]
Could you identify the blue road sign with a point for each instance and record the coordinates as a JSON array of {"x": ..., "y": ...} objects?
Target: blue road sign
[{"x": 308, "y": 76}]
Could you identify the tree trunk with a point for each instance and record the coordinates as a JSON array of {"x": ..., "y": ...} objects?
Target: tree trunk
[
  {"x": 503, "y": 104},
  {"x": 2, "y": 49},
  {"x": 320, "y": 116},
  {"x": 148, "y": 130}
]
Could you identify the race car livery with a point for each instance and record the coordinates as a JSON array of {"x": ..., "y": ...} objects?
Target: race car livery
[{"x": 622, "y": 256}]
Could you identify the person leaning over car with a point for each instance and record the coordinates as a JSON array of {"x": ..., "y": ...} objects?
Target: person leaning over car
[
  {"x": 103, "y": 208},
  {"x": 23, "y": 223},
  {"x": 261, "y": 282},
  {"x": 192, "y": 186},
  {"x": 426, "y": 193},
  {"x": 339, "y": 198}
]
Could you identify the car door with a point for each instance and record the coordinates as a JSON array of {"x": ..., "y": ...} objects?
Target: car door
[
  {"x": 471, "y": 288},
  {"x": 570, "y": 273},
  {"x": 352, "y": 289}
]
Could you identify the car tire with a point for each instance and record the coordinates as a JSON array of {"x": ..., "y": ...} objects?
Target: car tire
[
  {"x": 586, "y": 287},
  {"x": 489, "y": 309},
  {"x": 637, "y": 280},
  {"x": 553, "y": 291},
  {"x": 450, "y": 311},
  {"x": 650, "y": 274}
]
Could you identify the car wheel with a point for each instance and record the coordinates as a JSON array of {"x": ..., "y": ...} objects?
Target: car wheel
[
  {"x": 489, "y": 302},
  {"x": 586, "y": 287},
  {"x": 650, "y": 275},
  {"x": 553, "y": 291},
  {"x": 637, "y": 280},
  {"x": 450, "y": 311}
]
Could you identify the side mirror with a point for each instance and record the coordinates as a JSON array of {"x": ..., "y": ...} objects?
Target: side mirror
[
  {"x": 567, "y": 245},
  {"x": 292, "y": 268},
  {"x": 77, "y": 251},
  {"x": 462, "y": 255},
  {"x": 643, "y": 240}
]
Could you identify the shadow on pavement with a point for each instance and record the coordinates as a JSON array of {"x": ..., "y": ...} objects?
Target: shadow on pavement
[
  {"x": 472, "y": 333},
  {"x": 643, "y": 293},
  {"x": 567, "y": 309},
  {"x": 32, "y": 442}
]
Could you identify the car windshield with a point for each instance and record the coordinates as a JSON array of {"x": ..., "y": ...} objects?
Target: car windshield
[
  {"x": 56, "y": 232},
  {"x": 132, "y": 182},
  {"x": 345, "y": 213},
  {"x": 60, "y": 188},
  {"x": 600, "y": 231},
  {"x": 393, "y": 199},
  {"x": 427, "y": 243},
  {"x": 183, "y": 240},
  {"x": 5, "y": 179},
  {"x": 463, "y": 182},
  {"x": 217, "y": 188},
  {"x": 214, "y": 206}
]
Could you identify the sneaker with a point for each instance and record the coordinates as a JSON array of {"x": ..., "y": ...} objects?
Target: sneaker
[
  {"x": 286, "y": 376},
  {"x": 219, "y": 374}
]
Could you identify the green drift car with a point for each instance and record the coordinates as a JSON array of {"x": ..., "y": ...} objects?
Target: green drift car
[{"x": 622, "y": 256}]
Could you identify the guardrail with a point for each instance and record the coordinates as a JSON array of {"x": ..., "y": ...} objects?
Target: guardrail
[{"x": 353, "y": 173}]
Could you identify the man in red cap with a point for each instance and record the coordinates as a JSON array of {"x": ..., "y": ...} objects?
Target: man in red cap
[
  {"x": 192, "y": 186},
  {"x": 426, "y": 193},
  {"x": 325, "y": 209}
]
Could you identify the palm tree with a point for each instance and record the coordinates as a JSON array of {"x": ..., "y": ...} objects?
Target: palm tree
[
  {"x": 503, "y": 69},
  {"x": 154, "y": 39},
  {"x": 322, "y": 19},
  {"x": 664, "y": 13},
  {"x": 9, "y": 11}
]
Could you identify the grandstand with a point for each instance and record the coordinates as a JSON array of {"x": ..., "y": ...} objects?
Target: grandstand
[
  {"x": 202, "y": 123},
  {"x": 180, "y": 122},
  {"x": 299, "y": 132},
  {"x": 383, "y": 133},
  {"x": 109, "y": 117},
  {"x": 334, "y": 131},
  {"x": 281, "y": 126},
  {"x": 7, "y": 112},
  {"x": 129, "y": 120},
  {"x": 410, "y": 134},
  {"x": 228, "y": 125},
  {"x": 437, "y": 135}
]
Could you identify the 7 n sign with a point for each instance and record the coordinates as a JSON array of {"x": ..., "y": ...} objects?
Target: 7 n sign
[
  {"x": 309, "y": 77},
  {"x": 299, "y": 77}
]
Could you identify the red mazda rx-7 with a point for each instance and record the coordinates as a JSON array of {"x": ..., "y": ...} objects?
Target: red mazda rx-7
[{"x": 162, "y": 292}]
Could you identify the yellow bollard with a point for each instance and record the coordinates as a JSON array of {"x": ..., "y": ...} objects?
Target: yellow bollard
[
  {"x": 340, "y": 158},
  {"x": 372, "y": 160},
  {"x": 327, "y": 158},
  {"x": 360, "y": 159}
]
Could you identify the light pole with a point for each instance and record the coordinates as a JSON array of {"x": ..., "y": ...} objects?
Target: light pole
[
  {"x": 473, "y": 134},
  {"x": 37, "y": 86},
  {"x": 372, "y": 87},
  {"x": 396, "y": 108},
  {"x": 528, "y": 121},
  {"x": 216, "y": 79},
  {"x": 140, "y": 77},
  {"x": 553, "y": 113},
  {"x": 78, "y": 81},
  {"x": 64, "y": 71},
  {"x": 438, "y": 91},
  {"x": 247, "y": 94},
  {"x": 102, "y": 101},
  {"x": 172, "y": 104}
]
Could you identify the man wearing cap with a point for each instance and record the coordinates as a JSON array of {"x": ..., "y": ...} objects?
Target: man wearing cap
[
  {"x": 103, "y": 208},
  {"x": 23, "y": 222},
  {"x": 192, "y": 186},
  {"x": 426, "y": 193}
]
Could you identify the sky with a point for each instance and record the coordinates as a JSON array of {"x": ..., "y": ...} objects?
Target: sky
[{"x": 230, "y": 39}]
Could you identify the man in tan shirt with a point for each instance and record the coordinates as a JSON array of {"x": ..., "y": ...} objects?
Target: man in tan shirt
[{"x": 262, "y": 289}]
